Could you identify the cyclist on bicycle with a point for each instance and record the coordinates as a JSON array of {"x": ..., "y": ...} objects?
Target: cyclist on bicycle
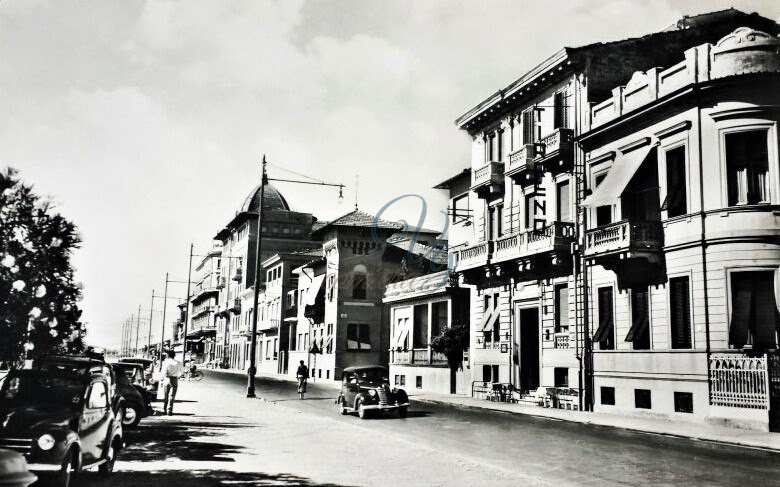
[{"x": 302, "y": 374}]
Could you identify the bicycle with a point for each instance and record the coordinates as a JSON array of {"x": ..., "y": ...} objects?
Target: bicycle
[{"x": 193, "y": 376}]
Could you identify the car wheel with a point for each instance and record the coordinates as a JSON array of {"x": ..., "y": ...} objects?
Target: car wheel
[
  {"x": 342, "y": 405},
  {"x": 63, "y": 476},
  {"x": 131, "y": 416},
  {"x": 107, "y": 467},
  {"x": 402, "y": 411},
  {"x": 362, "y": 412}
]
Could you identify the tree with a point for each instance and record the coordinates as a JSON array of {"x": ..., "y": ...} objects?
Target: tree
[
  {"x": 452, "y": 342},
  {"x": 38, "y": 296}
]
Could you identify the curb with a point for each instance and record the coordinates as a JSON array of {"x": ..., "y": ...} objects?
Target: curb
[{"x": 708, "y": 439}]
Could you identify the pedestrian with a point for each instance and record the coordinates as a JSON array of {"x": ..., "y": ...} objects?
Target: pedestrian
[
  {"x": 302, "y": 374},
  {"x": 172, "y": 370}
]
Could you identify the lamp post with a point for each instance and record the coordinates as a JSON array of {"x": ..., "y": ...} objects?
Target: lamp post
[
  {"x": 250, "y": 387},
  {"x": 186, "y": 310}
]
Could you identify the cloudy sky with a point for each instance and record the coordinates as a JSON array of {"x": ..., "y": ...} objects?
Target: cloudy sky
[{"x": 145, "y": 120}]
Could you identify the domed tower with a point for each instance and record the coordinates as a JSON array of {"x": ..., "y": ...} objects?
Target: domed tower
[{"x": 272, "y": 200}]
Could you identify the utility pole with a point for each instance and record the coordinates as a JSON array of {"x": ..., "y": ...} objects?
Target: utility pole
[
  {"x": 149, "y": 338},
  {"x": 250, "y": 386},
  {"x": 187, "y": 310},
  {"x": 137, "y": 327},
  {"x": 162, "y": 327}
]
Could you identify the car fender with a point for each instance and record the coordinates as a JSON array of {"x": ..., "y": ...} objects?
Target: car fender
[{"x": 363, "y": 397}]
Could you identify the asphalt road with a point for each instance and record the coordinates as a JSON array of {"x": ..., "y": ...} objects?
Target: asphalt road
[{"x": 218, "y": 437}]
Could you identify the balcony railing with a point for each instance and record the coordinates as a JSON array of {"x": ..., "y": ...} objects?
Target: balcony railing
[
  {"x": 738, "y": 381},
  {"x": 555, "y": 236},
  {"x": 417, "y": 356},
  {"x": 474, "y": 256},
  {"x": 488, "y": 180},
  {"x": 624, "y": 236},
  {"x": 557, "y": 152},
  {"x": 522, "y": 168},
  {"x": 269, "y": 324}
]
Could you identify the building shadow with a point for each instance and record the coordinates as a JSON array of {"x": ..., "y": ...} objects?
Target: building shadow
[
  {"x": 180, "y": 439},
  {"x": 198, "y": 478}
]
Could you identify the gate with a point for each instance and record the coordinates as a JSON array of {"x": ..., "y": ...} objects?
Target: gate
[{"x": 773, "y": 368}]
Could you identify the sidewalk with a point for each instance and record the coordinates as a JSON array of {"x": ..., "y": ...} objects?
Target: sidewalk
[{"x": 682, "y": 429}]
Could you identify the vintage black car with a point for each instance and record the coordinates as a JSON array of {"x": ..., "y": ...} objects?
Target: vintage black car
[
  {"x": 137, "y": 400},
  {"x": 60, "y": 421},
  {"x": 366, "y": 389}
]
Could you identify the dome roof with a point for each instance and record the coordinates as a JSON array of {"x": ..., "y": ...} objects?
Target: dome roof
[{"x": 272, "y": 200}]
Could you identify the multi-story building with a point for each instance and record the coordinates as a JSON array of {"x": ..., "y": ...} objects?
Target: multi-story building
[
  {"x": 283, "y": 230},
  {"x": 340, "y": 318},
  {"x": 682, "y": 236},
  {"x": 527, "y": 178},
  {"x": 202, "y": 328}
]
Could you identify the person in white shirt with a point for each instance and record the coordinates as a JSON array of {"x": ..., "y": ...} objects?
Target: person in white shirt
[{"x": 172, "y": 370}]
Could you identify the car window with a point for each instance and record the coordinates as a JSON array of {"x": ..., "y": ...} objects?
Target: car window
[{"x": 97, "y": 396}]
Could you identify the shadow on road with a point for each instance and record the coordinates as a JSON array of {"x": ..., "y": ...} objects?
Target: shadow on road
[
  {"x": 181, "y": 439},
  {"x": 199, "y": 478}
]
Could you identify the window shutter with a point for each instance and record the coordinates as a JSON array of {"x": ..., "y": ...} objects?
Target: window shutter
[
  {"x": 564, "y": 202},
  {"x": 605, "y": 315},
  {"x": 741, "y": 301},
  {"x": 528, "y": 126},
  {"x": 765, "y": 316},
  {"x": 680, "y": 308},
  {"x": 639, "y": 315}
]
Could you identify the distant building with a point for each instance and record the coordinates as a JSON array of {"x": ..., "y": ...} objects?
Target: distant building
[{"x": 202, "y": 329}]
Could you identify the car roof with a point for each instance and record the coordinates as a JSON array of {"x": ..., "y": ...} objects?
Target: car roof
[
  {"x": 359, "y": 368},
  {"x": 128, "y": 365},
  {"x": 70, "y": 359}
]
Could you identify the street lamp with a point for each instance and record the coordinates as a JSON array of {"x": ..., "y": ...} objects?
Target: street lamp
[{"x": 250, "y": 386}]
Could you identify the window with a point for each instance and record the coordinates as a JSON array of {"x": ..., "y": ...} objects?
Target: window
[
  {"x": 639, "y": 333},
  {"x": 683, "y": 402},
  {"x": 747, "y": 167},
  {"x": 563, "y": 196},
  {"x": 420, "y": 324},
  {"x": 529, "y": 211},
  {"x": 403, "y": 380},
  {"x": 529, "y": 126},
  {"x": 608, "y": 396},
  {"x": 396, "y": 380},
  {"x": 418, "y": 382},
  {"x": 642, "y": 399},
  {"x": 680, "y": 312},
  {"x": 676, "y": 203},
  {"x": 358, "y": 336},
  {"x": 98, "y": 398},
  {"x": 276, "y": 347},
  {"x": 561, "y": 376},
  {"x": 561, "y": 308},
  {"x": 327, "y": 374},
  {"x": 460, "y": 209},
  {"x": 560, "y": 111},
  {"x": 754, "y": 315},
  {"x": 605, "y": 334},
  {"x": 359, "y": 285},
  {"x": 438, "y": 318}
]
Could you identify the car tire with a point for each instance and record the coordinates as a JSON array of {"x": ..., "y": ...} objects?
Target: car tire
[
  {"x": 362, "y": 412},
  {"x": 65, "y": 474},
  {"x": 107, "y": 467},
  {"x": 402, "y": 411},
  {"x": 342, "y": 407},
  {"x": 131, "y": 416}
]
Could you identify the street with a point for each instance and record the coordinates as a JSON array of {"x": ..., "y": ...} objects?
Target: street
[{"x": 218, "y": 437}]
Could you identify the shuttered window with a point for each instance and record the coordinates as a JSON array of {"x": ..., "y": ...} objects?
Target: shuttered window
[
  {"x": 529, "y": 128},
  {"x": 639, "y": 333},
  {"x": 676, "y": 202},
  {"x": 560, "y": 110},
  {"x": 604, "y": 333},
  {"x": 563, "y": 197},
  {"x": 680, "y": 312},
  {"x": 561, "y": 308},
  {"x": 754, "y": 316},
  {"x": 747, "y": 165}
]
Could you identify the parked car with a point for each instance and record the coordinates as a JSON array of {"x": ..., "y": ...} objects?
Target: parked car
[
  {"x": 138, "y": 376},
  {"x": 137, "y": 402},
  {"x": 148, "y": 365},
  {"x": 366, "y": 389},
  {"x": 61, "y": 422}
]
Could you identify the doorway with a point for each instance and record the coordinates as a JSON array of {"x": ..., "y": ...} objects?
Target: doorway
[{"x": 528, "y": 337}]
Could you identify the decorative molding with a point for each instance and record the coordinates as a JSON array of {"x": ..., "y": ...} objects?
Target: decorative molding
[
  {"x": 634, "y": 145},
  {"x": 609, "y": 156},
  {"x": 743, "y": 112},
  {"x": 676, "y": 128}
]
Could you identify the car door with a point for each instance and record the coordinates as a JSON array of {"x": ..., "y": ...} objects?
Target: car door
[
  {"x": 351, "y": 389},
  {"x": 95, "y": 421}
]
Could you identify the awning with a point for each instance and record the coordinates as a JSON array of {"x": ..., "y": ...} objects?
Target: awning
[
  {"x": 316, "y": 285},
  {"x": 491, "y": 321},
  {"x": 326, "y": 346},
  {"x": 485, "y": 319},
  {"x": 618, "y": 177},
  {"x": 604, "y": 328},
  {"x": 401, "y": 337},
  {"x": 637, "y": 328}
]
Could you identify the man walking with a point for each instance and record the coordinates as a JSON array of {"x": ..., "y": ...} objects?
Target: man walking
[
  {"x": 302, "y": 374},
  {"x": 172, "y": 370}
]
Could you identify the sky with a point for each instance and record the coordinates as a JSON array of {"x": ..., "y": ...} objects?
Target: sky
[{"x": 145, "y": 121}]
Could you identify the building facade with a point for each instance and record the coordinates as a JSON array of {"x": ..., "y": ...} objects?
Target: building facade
[
  {"x": 681, "y": 236},
  {"x": 202, "y": 328}
]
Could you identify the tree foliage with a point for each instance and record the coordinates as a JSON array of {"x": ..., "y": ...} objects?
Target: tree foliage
[
  {"x": 38, "y": 296},
  {"x": 452, "y": 342}
]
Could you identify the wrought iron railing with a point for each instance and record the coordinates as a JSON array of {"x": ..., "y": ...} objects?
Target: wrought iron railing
[
  {"x": 737, "y": 380},
  {"x": 561, "y": 340}
]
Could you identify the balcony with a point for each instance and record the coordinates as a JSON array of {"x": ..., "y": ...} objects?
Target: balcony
[
  {"x": 557, "y": 151},
  {"x": 488, "y": 181},
  {"x": 291, "y": 313},
  {"x": 236, "y": 306},
  {"x": 266, "y": 325},
  {"x": 522, "y": 168},
  {"x": 418, "y": 356},
  {"x": 536, "y": 249},
  {"x": 475, "y": 256},
  {"x": 632, "y": 249}
]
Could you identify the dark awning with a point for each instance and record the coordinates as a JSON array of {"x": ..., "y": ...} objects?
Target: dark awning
[
  {"x": 618, "y": 177},
  {"x": 491, "y": 320},
  {"x": 637, "y": 328},
  {"x": 604, "y": 328}
]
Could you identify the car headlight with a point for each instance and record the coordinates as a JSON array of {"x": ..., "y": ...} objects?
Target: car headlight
[
  {"x": 46, "y": 442},
  {"x": 372, "y": 393}
]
